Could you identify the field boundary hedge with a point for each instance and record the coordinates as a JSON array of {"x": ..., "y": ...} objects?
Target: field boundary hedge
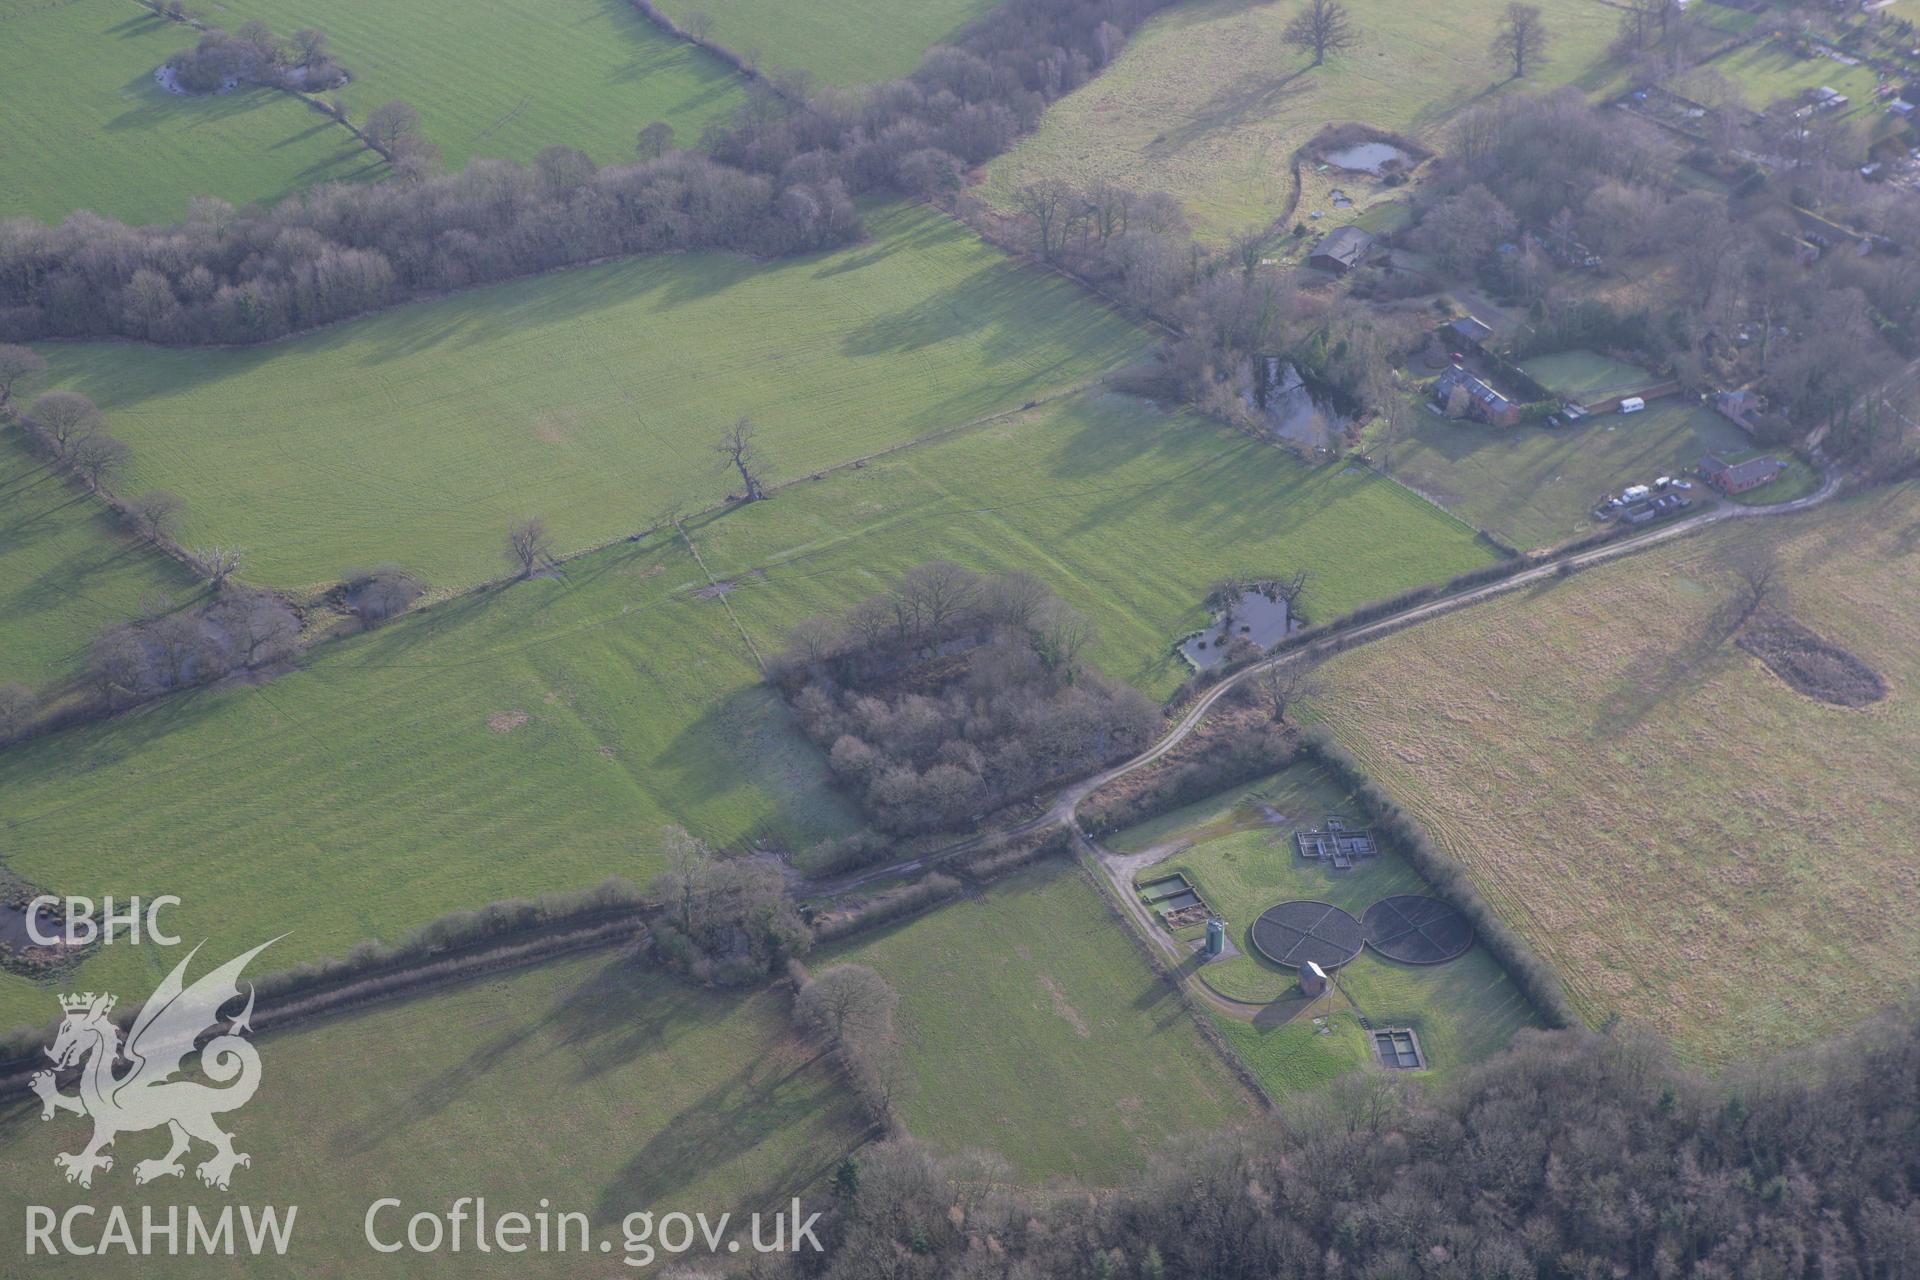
[
  {"x": 1203, "y": 1023},
  {"x": 1448, "y": 878}
]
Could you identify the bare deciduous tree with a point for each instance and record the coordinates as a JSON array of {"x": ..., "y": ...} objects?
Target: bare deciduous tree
[
  {"x": 156, "y": 513},
  {"x": 17, "y": 363},
  {"x": 1284, "y": 685},
  {"x": 1061, "y": 636},
  {"x": 655, "y": 140},
  {"x": 1322, "y": 28},
  {"x": 1521, "y": 39},
  {"x": 97, "y": 455},
  {"x": 1757, "y": 585},
  {"x": 528, "y": 544},
  {"x": 937, "y": 592},
  {"x": 220, "y": 563},
  {"x": 741, "y": 449},
  {"x": 847, "y": 1005},
  {"x": 260, "y": 625},
  {"x": 62, "y": 417}
]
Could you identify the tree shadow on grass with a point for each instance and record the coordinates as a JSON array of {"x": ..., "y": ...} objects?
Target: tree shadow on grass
[
  {"x": 1657, "y": 677},
  {"x": 1253, "y": 96}
]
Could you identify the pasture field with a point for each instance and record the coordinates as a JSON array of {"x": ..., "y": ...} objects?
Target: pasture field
[
  {"x": 87, "y": 127},
  {"x": 846, "y": 42},
  {"x": 594, "y": 396},
  {"x": 1694, "y": 844},
  {"x": 1007, "y": 996},
  {"x": 1769, "y": 70},
  {"x": 590, "y": 1084},
  {"x": 66, "y": 571},
  {"x": 1535, "y": 486},
  {"x": 1243, "y": 861},
  {"x": 1208, "y": 103},
  {"x": 537, "y": 736},
  {"x": 503, "y": 79}
]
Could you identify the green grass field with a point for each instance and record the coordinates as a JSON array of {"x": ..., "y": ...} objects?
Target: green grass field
[
  {"x": 844, "y": 42},
  {"x": 1535, "y": 486},
  {"x": 1243, "y": 863},
  {"x": 396, "y": 773},
  {"x": 1208, "y": 103},
  {"x": 87, "y": 127},
  {"x": 66, "y": 571},
  {"x": 1035, "y": 1030},
  {"x": 1694, "y": 844},
  {"x": 602, "y": 1087},
  {"x": 504, "y": 79},
  {"x": 594, "y": 396},
  {"x": 1768, "y": 70},
  {"x": 1584, "y": 376}
]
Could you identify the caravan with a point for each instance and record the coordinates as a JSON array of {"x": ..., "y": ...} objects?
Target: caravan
[{"x": 1632, "y": 404}]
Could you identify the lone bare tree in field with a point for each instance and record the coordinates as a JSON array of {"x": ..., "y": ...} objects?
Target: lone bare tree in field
[
  {"x": 1521, "y": 40},
  {"x": 528, "y": 544},
  {"x": 1757, "y": 587},
  {"x": 1322, "y": 28},
  {"x": 742, "y": 451}
]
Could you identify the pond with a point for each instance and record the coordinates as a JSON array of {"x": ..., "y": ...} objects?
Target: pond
[
  {"x": 1377, "y": 158},
  {"x": 1255, "y": 618},
  {"x": 1292, "y": 410},
  {"x": 13, "y": 926}
]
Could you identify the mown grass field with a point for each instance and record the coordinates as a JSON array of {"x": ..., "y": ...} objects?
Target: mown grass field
[
  {"x": 87, "y": 127},
  {"x": 847, "y": 42},
  {"x": 1035, "y": 1030},
  {"x": 591, "y": 1084},
  {"x": 1584, "y": 376},
  {"x": 1769, "y": 70},
  {"x": 503, "y": 79},
  {"x": 1536, "y": 486},
  {"x": 66, "y": 570},
  {"x": 1208, "y": 102},
  {"x": 1244, "y": 862},
  {"x": 1694, "y": 844},
  {"x": 395, "y": 771},
  {"x": 594, "y": 396}
]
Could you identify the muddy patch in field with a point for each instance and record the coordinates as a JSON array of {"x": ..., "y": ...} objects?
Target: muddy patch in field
[
  {"x": 507, "y": 721},
  {"x": 555, "y": 426},
  {"x": 1063, "y": 1008},
  {"x": 1811, "y": 665}
]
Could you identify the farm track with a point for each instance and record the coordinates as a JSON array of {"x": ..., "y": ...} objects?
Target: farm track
[{"x": 1063, "y": 809}]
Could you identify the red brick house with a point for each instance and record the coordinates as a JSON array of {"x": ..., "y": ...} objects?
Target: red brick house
[{"x": 1739, "y": 472}]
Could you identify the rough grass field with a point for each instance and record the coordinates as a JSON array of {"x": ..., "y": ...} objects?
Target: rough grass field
[
  {"x": 87, "y": 127},
  {"x": 1035, "y": 1030},
  {"x": 66, "y": 570},
  {"x": 1208, "y": 103},
  {"x": 594, "y": 396},
  {"x": 1244, "y": 862},
  {"x": 591, "y": 1083},
  {"x": 1694, "y": 845},
  {"x": 1535, "y": 486},
  {"x": 845, "y": 42},
  {"x": 503, "y": 79},
  {"x": 395, "y": 772}
]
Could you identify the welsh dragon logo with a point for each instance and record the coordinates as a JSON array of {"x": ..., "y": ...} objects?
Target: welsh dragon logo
[{"x": 148, "y": 1096}]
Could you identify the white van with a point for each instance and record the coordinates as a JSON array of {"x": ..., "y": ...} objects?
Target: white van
[
  {"x": 1634, "y": 493},
  {"x": 1632, "y": 404}
]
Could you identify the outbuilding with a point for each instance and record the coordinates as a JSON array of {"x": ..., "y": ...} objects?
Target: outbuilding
[{"x": 1341, "y": 250}]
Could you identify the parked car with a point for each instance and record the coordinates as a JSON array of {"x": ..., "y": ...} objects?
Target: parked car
[
  {"x": 1663, "y": 483},
  {"x": 1555, "y": 420},
  {"x": 1683, "y": 484}
]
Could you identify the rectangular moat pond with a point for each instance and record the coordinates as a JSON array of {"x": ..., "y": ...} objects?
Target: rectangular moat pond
[{"x": 1164, "y": 887}]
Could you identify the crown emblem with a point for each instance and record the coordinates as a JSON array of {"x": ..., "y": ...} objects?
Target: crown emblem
[{"x": 78, "y": 1003}]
